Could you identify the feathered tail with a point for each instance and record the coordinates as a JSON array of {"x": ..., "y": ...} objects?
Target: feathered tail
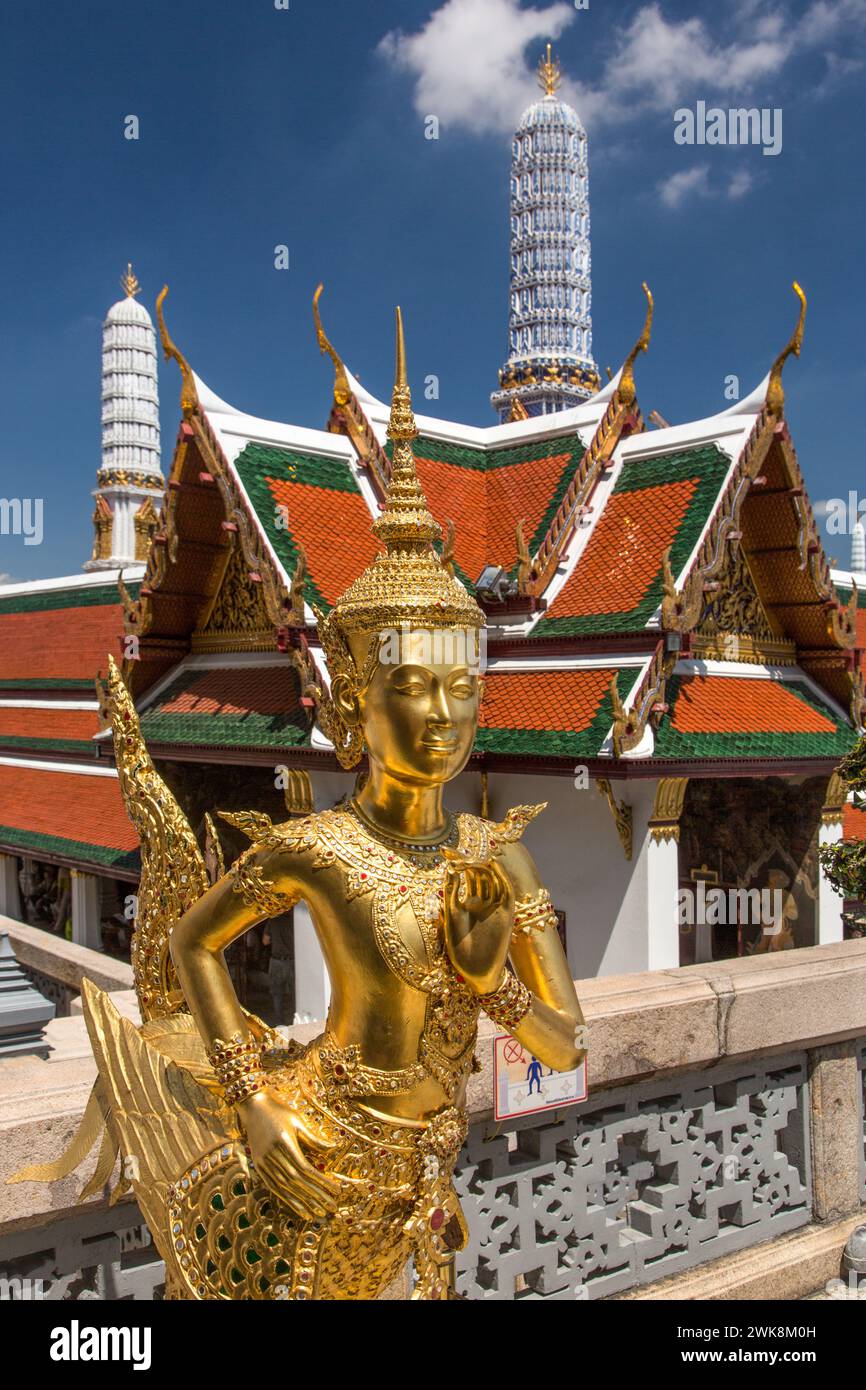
[{"x": 173, "y": 873}]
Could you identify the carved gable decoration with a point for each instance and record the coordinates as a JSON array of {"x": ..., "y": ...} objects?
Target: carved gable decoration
[
  {"x": 734, "y": 624},
  {"x": 238, "y": 619}
]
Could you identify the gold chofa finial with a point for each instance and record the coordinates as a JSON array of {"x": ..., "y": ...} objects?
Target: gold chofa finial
[
  {"x": 129, "y": 282},
  {"x": 188, "y": 393},
  {"x": 626, "y": 390},
  {"x": 549, "y": 73},
  {"x": 342, "y": 391},
  {"x": 775, "y": 390}
]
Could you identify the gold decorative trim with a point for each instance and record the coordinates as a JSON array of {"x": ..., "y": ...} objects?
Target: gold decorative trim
[
  {"x": 626, "y": 391},
  {"x": 629, "y": 725},
  {"x": 834, "y": 800},
  {"x": 775, "y": 391},
  {"x": 342, "y": 389},
  {"x": 188, "y": 393},
  {"x": 124, "y": 477},
  {"x": 740, "y": 646},
  {"x": 622, "y": 813},
  {"x": 664, "y": 823}
]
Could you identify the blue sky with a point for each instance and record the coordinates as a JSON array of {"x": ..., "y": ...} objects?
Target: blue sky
[{"x": 305, "y": 126}]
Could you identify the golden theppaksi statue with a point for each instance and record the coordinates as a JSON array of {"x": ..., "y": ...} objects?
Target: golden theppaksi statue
[{"x": 264, "y": 1169}]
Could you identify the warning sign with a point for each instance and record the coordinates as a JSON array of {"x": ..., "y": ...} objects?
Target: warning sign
[{"x": 522, "y": 1084}]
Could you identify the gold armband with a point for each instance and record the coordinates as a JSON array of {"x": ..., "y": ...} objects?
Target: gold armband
[
  {"x": 256, "y": 890},
  {"x": 509, "y": 1004},
  {"x": 534, "y": 914},
  {"x": 237, "y": 1066}
]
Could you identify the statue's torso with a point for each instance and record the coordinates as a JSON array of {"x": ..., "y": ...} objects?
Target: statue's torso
[{"x": 402, "y": 1024}]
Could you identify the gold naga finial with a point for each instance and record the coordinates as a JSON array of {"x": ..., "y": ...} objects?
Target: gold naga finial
[
  {"x": 549, "y": 73},
  {"x": 342, "y": 390},
  {"x": 188, "y": 393},
  {"x": 129, "y": 282},
  {"x": 626, "y": 390},
  {"x": 775, "y": 389}
]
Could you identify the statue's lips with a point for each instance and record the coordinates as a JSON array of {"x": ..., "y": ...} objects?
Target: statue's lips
[{"x": 439, "y": 745}]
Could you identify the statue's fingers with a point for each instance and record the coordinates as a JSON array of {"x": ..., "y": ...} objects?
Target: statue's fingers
[
  {"x": 310, "y": 1138},
  {"x": 284, "y": 1189},
  {"x": 324, "y": 1189},
  {"x": 299, "y": 1193}
]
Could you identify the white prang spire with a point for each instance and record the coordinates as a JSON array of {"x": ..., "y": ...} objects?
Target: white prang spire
[
  {"x": 550, "y": 364},
  {"x": 129, "y": 483},
  {"x": 858, "y": 547}
]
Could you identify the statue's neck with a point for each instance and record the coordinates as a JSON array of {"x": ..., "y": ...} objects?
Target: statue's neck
[{"x": 401, "y": 809}]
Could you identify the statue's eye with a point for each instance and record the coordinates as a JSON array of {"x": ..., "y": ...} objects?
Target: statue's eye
[
  {"x": 410, "y": 687},
  {"x": 463, "y": 689}
]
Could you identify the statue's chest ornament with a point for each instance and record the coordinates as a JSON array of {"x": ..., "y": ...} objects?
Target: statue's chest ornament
[
  {"x": 397, "y": 878},
  {"x": 400, "y": 878}
]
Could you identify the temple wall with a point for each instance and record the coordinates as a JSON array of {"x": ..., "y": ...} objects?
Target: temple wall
[{"x": 720, "y": 1153}]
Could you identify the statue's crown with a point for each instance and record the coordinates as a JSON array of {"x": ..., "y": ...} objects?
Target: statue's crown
[{"x": 407, "y": 582}]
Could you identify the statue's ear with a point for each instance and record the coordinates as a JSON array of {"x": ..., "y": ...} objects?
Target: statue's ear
[{"x": 346, "y": 700}]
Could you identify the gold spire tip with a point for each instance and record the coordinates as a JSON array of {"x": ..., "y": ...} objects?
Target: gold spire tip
[
  {"x": 549, "y": 73},
  {"x": 402, "y": 423},
  {"x": 129, "y": 282}
]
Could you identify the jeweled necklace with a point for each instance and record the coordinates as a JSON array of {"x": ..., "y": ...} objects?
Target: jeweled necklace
[{"x": 407, "y": 846}]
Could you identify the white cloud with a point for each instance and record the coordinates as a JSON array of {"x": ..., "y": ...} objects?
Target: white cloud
[
  {"x": 7, "y": 579},
  {"x": 695, "y": 183},
  {"x": 687, "y": 183},
  {"x": 471, "y": 66},
  {"x": 468, "y": 60},
  {"x": 740, "y": 183}
]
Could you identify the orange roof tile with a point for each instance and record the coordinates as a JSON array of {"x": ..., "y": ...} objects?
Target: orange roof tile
[
  {"x": 543, "y": 699},
  {"x": 486, "y": 506},
  {"x": 67, "y": 805},
  {"x": 624, "y": 553},
  {"x": 721, "y": 704},
  {"x": 333, "y": 526},
  {"x": 237, "y": 690},
  {"x": 48, "y": 723},
  {"x": 63, "y": 642},
  {"x": 853, "y": 823}
]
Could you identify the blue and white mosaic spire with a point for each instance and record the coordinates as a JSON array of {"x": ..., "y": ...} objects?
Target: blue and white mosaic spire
[{"x": 550, "y": 364}]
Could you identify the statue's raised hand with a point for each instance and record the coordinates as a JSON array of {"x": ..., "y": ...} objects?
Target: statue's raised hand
[
  {"x": 275, "y": 1134},
  {"x": 479, "y": 914}
]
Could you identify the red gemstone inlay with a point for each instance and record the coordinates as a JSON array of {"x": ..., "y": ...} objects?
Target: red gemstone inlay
[{"x": 437, "y": 1219}]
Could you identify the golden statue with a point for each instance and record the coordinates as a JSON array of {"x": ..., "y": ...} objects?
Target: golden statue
[{"x": 267, "y": 1170}]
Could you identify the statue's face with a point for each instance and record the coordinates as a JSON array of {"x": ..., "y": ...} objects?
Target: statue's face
[{"x": 420, "y": 710}]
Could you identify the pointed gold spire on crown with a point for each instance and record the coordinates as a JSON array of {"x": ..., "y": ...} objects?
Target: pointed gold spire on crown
[
  {"x": 129, "y": 282},
  {"x": 407, "y": 582},
  {"x": 406, "y": 519},
  {"x": 549, "y": 73}
]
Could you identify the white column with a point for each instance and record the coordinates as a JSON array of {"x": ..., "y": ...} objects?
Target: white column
[
  {"x": 86, "y": 910},
  {"x": 830, "y": 925},
  {"x": 663, "y": 936},
  {"x": 10, "y": 894},
  {"x": 312, "y": 985}
]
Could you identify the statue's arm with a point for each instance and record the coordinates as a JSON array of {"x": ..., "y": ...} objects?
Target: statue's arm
[
  {"x": 553, "y": 1029},
  {"x": 262, "y": 884}
]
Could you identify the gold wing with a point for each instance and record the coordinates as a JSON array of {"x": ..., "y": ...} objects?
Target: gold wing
[
  {"x": 222, "y": 1234},
  {"x": 173, "y": 873},
  {"x": 162, "y": 1118}
]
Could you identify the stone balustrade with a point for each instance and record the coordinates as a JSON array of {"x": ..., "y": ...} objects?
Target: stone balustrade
[{"x": 720, "y": 1153}]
